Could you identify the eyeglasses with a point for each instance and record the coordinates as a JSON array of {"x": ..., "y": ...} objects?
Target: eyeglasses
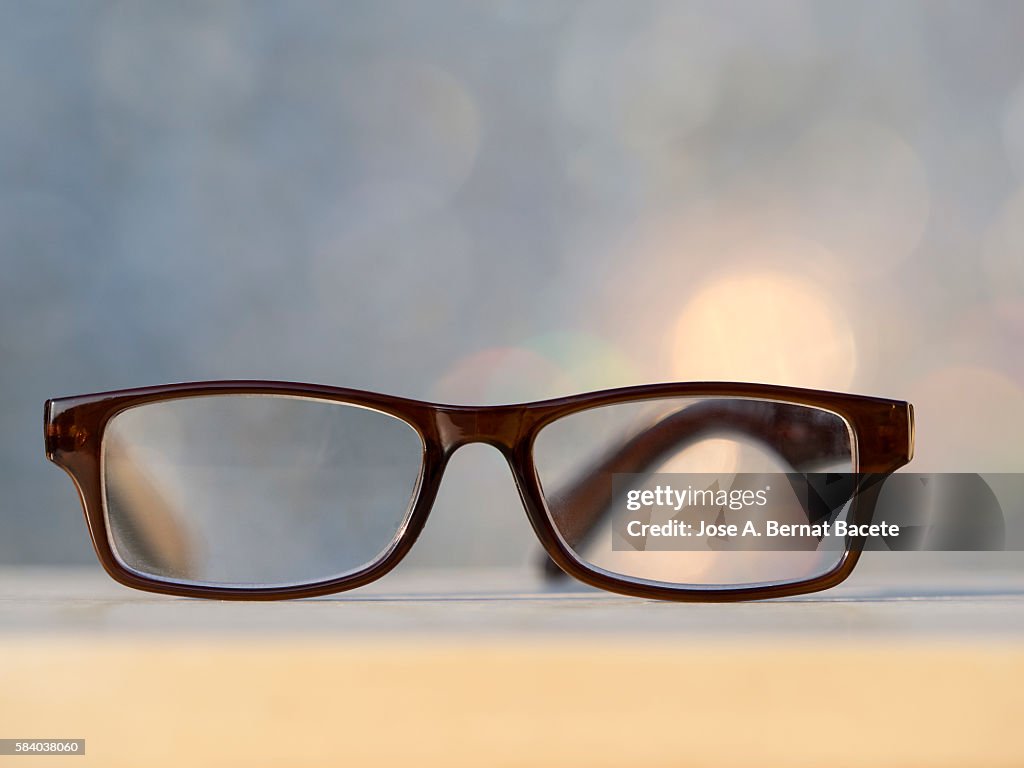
[{"x": 266, "y": 490}]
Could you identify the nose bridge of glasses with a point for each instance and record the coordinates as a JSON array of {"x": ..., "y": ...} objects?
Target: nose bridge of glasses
[{"x": 498, "y": 426}]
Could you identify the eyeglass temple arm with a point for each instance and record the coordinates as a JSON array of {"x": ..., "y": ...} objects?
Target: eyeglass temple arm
[{"x": 792, "y": 436}]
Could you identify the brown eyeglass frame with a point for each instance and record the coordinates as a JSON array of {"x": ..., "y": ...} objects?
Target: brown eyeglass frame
[{"x": 882, "y": 441}]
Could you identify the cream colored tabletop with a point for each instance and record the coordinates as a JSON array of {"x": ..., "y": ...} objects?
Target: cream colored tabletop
[{"x": 914, "y": 661}]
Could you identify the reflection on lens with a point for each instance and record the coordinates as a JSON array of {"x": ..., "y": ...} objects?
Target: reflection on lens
[
  {"x": 582, "y": 458},
  {"x": 256, "y": 490}
]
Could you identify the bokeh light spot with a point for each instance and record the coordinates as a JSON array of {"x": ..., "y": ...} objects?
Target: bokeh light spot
[{"x": 768, "y": 327}]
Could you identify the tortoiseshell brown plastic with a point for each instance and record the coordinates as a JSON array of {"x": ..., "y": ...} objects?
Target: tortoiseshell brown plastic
[{"x": 882, "y": 442}]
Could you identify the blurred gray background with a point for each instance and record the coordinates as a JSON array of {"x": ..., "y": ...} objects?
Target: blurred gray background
[{"x": 482, "y": 202}]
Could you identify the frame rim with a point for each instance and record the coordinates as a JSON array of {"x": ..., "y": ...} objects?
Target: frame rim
[{"x": 75, "y": 426}]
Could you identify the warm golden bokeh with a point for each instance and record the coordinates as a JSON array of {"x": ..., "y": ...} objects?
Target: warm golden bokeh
[{"x": 769, "y": 327}]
